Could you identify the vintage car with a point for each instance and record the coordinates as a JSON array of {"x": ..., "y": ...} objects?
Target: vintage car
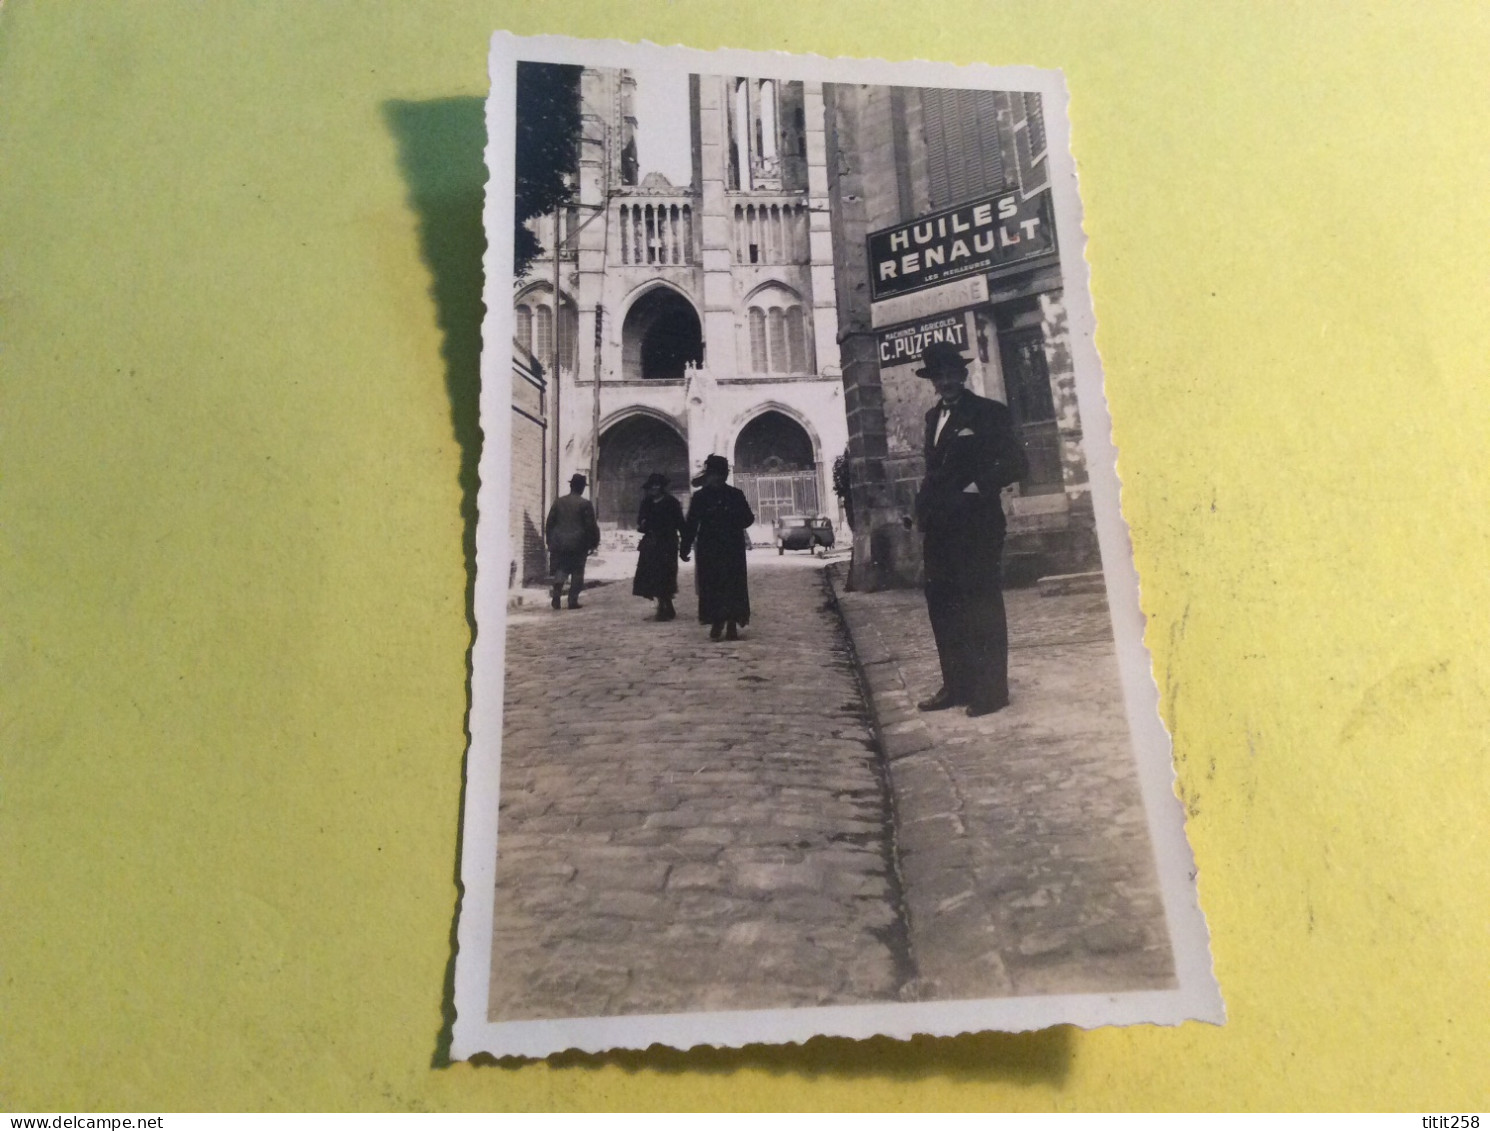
[{"x": 803, "y": 532}]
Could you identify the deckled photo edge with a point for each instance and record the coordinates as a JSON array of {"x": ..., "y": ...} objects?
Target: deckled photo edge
[
  {"x": 1158, "y": 775},
  {"x": 493, "y": 501},
  {"x": 1197, "y": 995}
]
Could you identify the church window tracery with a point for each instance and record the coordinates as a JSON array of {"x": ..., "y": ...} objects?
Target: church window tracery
[{"x": 779, "y": 341}]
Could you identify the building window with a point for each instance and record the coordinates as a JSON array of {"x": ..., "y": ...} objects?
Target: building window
[
  {"x": 758, "y": 359},
  {"x": 739, "y": 140},
  {"x": 796, "y": 339},
  {"x": 535, "y": 330},
  {"x": 963, "y": 158},
  {"x": 793, "y": 138},
  {"x": 767, "y": 135},
  {"x": 525, "y": 327},
  {"x": 1034, "y": 116},
  {"x": 776, "y": 326},
  {"x": 543, "y": 345},
  {"x": 780, "y": 339},
  {"x": 1029, "y": 144},
  {"x": 1032, "y": 404},
  {"x": 767, "y": 141}
]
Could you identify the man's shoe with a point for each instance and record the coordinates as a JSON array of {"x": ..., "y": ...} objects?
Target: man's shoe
[
  {"x": 574, "y": 604},
  {"x": 716, "y": 631},
  {"x": 731, "y": 632},
  {"x": 554, "y": 601},
  {"x": 978, "y": 710},
  {"x": 942, "y": 700}
]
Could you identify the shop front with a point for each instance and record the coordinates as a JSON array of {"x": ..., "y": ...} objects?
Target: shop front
[{"x": 985, "y": 277}]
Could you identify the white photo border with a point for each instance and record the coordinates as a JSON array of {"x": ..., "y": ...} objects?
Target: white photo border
[{"x": 1196, "y": 995}]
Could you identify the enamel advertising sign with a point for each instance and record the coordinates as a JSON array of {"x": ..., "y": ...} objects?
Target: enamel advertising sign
[
  {"x": 973, "y": 238},
  {"x": 905, "y": 343}
]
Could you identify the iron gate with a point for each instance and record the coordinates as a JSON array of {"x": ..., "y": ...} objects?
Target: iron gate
[{"x": 771, "y": 496}]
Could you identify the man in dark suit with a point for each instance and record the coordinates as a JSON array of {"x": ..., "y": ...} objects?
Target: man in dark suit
[
  {"x": 972, "y": 453},
  {"x": 571, "y": 532}
]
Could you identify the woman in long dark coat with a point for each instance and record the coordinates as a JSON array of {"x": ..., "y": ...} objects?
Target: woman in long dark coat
[
  {"x": 718, "y": 516},
  {"x": 659, "y": 520}
]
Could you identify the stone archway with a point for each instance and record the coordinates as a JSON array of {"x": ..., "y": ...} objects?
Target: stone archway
[
  {"x": 630, "y": 450},
  {"x": 660, "y": 336},
  {"x": 776, "y": 466}
]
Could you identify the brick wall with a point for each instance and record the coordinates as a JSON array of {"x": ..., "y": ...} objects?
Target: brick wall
[{"x": 528, "y": 564}]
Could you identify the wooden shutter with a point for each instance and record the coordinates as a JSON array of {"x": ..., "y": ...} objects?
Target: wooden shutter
[{"x": 963, "y": 159}]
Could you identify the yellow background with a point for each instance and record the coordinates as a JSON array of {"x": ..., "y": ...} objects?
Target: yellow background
[{"x": 239, "y": 300}]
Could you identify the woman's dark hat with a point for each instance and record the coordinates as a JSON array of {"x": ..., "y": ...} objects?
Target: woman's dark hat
[
  {"x": 717, "y": 465},
  {"x": 942, "y": 357},
  {"x": 656, "y": 479}
]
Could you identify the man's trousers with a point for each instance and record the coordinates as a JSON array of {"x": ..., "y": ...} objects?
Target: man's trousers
[
  {"x": 567, "y": 565},
  {"x": 965, "y": 602}
]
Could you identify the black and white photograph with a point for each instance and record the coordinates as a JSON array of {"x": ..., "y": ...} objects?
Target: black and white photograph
[{"x": 809, "y": 693}]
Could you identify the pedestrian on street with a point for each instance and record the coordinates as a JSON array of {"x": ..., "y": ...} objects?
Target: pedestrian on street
[
  {"x": 718, "y": 517},
  {"x": 660, "y": 520},
  {"x": 972, "y": 453},
  {"x": 571, "y": 532}
]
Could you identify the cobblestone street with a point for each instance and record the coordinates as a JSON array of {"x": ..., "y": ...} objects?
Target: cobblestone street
[
  {"x": 1022, "y": 839},
  {"x": 690, "y": 825}
]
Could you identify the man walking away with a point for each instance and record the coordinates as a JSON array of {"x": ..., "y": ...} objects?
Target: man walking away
[
  {"x": 572, "y": 532},
  {"x": 972, "y": 453}
]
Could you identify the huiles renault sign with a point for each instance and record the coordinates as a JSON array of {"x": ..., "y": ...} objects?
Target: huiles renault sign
[{"x": 978, "y": 237}]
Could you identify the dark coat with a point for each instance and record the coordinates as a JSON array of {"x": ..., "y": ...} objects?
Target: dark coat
[
  {"x": 960, "y": 513},
  {"x": 717, "y": 519},
  {"x": 571, "y": 526},
  {"x": 978, "y": 447},
  {"x": 571, "y": 533},
  {"x": 660, "y": 522}
]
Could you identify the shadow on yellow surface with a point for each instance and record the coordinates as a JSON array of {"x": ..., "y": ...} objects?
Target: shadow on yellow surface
[
  {"x": 1041, "y": 1057},
  {"x": 440, "y": 145}
]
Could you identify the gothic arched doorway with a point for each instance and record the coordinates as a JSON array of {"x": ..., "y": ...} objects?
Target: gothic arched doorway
[
  {"x": 630, "y": 450},
  {"x": 660, "y": 336},
  {"x": 776, "y": 467}
]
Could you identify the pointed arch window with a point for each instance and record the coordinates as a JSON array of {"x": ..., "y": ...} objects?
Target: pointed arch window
[
  {"x": 776, "y": 327},
  {"x": 766, "y": 133},
  {"x": 758, "y": 357},
  {"x": 796, "y": 340},
  {"x": 524, "y": 332},
  {"x": 780, "y": 334},
  {"x": 766, "y": 124},
  {"x": 740, "y": 142},
  {"x": 543, "y": 343},
  {"x": 535, "y": 328}
]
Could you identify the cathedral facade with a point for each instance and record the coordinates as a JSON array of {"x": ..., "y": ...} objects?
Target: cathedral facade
[{"x": 683, "y": 319}]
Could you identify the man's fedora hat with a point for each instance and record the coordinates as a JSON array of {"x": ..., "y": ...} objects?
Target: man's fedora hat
[
  {"x": 715, "y": 464},
  {"x": 577, "y": 479},
  {"x": 942, "y": 357}
]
